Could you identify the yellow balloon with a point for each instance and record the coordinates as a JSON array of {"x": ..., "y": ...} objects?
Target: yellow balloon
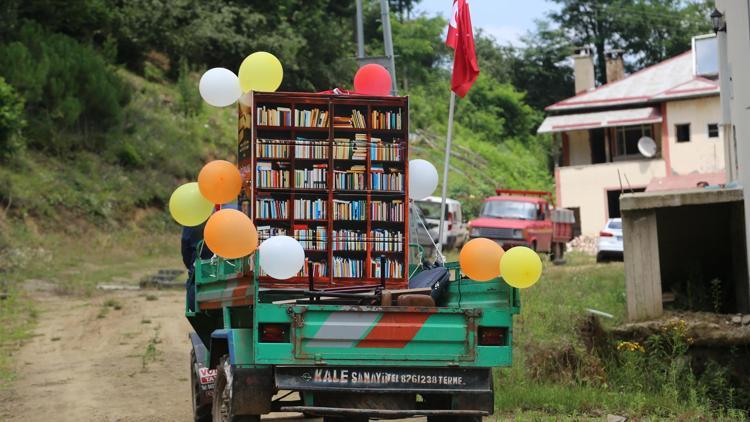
[
  {"x": 188, "y": 207},
  {"x": 260, "y": 71},
  {"x": 520, "y": 267}
]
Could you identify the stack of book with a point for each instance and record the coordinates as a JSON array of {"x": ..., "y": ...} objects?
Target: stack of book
[
  {"x": 385, "y": 151},
  {"x": 279, "y": 116},
  {"x": 319, "y": 269},
  {"x": 347, "y": 149},
  {"x": 393, "y": 180},
  {"x": 357, "y": 120},
  {"x": 311, "y": 239},
  {"x": 347, "y": 267},
  {"x": 308, "y": 209},
  {"x": 393, "y": 268},
  {"x": 264, "y": 232},
  {"x": 269, "y": 148},
  {"x": 311, "y": 118},
  {"x": 386, "y": 119},
  {"x": 352, "y": 179},
  {"x": 387, "y": 211},
  {"x": 271, "y": 208},
  {"x": 387, "y": 241},
  {"x": 349, "y": 240},
  {"x": 267, "y": 177},
  {"x": 305, "y": 148},
  {"x": 314, "y": 178},
  {"x": 349, "y": 210}
]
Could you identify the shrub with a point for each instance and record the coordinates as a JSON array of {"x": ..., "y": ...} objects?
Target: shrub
[
  {"x": 68, "y": 87},
  {"x": 11, "y": 119}
]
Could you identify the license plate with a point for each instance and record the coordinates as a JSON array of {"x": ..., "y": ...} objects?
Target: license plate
[{"x": 383, "y": 379}]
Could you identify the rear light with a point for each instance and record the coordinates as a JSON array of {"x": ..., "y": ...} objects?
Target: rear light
[
  {"x": 605, "y": 234},
  {"x": 450, "y": 221},
  {"x": 274, "y": 333},
  {"x": 493, "y": 336}
]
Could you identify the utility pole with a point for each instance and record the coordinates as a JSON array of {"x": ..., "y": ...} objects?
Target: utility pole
[
  {"x": 385, "y": 16},
  {"x": 360, "y": 32}
]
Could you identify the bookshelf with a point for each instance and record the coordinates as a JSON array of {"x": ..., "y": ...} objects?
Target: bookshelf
[{"x": 331, "y": 171}]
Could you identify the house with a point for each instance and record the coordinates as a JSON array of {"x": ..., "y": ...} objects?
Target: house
[{"x": 675, "y": 103}]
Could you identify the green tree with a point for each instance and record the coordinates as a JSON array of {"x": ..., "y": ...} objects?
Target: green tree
[
  {"x": 11, "y": 119},
  {"x": 648, "y": 30}
]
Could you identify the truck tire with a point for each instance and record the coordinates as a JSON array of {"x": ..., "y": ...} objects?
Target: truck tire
[
  {"x": 201, "y": 411},
  {"x": 220, "y": 409}
]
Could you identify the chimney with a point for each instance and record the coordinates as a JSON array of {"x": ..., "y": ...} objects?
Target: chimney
[
  {"x": 583, "y": 69},
  {"x": 615, "y": 65}
]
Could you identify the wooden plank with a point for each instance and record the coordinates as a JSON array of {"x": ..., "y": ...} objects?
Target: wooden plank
[{"x": 642, "y": 269}]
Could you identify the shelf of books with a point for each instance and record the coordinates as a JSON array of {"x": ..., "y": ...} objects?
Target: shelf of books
[{"x": 331, "y": 171}]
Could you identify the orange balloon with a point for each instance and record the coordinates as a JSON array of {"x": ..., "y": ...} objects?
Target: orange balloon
[
  {"x": 220, "y": 181},
  {"x": 480, "y": 259},
  {"x": 230, "y": 234}
]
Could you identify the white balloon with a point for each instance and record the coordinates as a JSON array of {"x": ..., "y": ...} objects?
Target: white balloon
[
  {"x": 423, "y": 179},
  {"x": 220, "y": 87},
  {"x": 281, "y": 257}
]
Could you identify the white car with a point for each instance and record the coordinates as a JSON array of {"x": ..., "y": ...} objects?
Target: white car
[
  {"x": 455, "y": 232},
  {"x": 610, "y": 244}
]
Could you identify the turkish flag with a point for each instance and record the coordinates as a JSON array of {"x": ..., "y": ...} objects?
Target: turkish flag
[{"x": 461, "y": 39}]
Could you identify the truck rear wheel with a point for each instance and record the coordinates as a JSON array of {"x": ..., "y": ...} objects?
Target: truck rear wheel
[
  {"x": 221, "y": 408},
  {"x": 201, "y": 411}
]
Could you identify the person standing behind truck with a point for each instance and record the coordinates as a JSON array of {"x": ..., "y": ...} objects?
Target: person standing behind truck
[{"x": 191, "y": 236}]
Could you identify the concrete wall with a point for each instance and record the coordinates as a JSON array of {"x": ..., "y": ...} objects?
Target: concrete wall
[
  {"x": 580, "y": 150},
  {"x": 702, "y": 154},
  {"x": 586, "y": 187},
  {"x": 737, "y": 15}
]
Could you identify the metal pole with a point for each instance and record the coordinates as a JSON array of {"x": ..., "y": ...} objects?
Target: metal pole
[
  {"x": 360, "y": 32},
  {"x": 385, "y": 17},
  {"x": 445, "y": 172},
  {"x": 730, "y": 155}
]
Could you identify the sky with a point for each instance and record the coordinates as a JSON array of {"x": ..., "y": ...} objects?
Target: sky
[{"x": 506, "y": 20}]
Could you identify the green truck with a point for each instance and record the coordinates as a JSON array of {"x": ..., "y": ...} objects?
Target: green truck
[
  {"x": 340, "y": 341},
  {"x": 253, "y": 346}
]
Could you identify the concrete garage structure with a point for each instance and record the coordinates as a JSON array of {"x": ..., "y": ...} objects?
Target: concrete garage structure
[
  {"x": 675, "y": 102},
  {"x": 686, "y": 247}
]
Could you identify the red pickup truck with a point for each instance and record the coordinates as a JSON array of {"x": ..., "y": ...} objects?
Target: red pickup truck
[{"x": 520, "y": 217}]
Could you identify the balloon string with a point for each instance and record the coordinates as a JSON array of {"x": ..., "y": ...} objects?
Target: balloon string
[{"x": 438, "y": 252}]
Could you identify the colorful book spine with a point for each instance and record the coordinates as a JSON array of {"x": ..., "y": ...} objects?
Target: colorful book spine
[
  {"x": 349, "y": 180},
  {"x": 267, "y": 177},
  {"x": 347, "y": 267},
  {"x": 387, "y": 211},
  {"x": 393, "y": 268},
  {"x": 264, "y": 232},
  {"x": 314, "y": 178},
  {"x": 387, "y": 241},
  {"x": 319, "y": 269},
  {"x": 389, "y": 120},
  {"x": 311, "y": 118},
  {"x": 266, "y": 148},
  {"x": 311, "y": 239},
  {"x": 391, "y": 181},
  {"x": 349, "y": 240},
  {"x": 279, "y": 116},
  {"x": 349, "y": 210},
  {"x": 271, "y": 208},
  {"x": 317, "y": 149},
  {"x": 308, "y": 209},
  {"x": 385, "y": 151}
]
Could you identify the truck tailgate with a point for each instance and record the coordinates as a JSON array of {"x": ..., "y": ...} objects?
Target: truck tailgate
[{"x": 325, "y": 333}]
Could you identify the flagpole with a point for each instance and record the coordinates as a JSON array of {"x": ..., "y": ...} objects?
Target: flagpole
[{"x": 445, "y": 174}]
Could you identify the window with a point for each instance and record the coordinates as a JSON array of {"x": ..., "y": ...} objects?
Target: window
[
  {"x": 683, "y": 132},
  {"x": 627, "y": 137},
  {"x": 514, "y": 210},
  {"x": 713, "y": 130}
]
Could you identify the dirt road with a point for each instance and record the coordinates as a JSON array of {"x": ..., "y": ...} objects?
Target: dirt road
[{"x": 119, "y": 356}]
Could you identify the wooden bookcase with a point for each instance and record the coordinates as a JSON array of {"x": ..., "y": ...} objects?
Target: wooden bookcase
[{"x": 283, "y": 159}]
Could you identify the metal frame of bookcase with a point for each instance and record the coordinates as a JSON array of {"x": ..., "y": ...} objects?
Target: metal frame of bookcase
[{"x": 330, "y": 102}]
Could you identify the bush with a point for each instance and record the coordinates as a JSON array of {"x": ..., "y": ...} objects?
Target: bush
[
  {"x": 68, "y": 87},
  {"x": 11, "y": 119}
]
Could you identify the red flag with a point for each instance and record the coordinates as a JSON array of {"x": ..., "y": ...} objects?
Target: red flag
[{"x": 461, "y": 39}]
